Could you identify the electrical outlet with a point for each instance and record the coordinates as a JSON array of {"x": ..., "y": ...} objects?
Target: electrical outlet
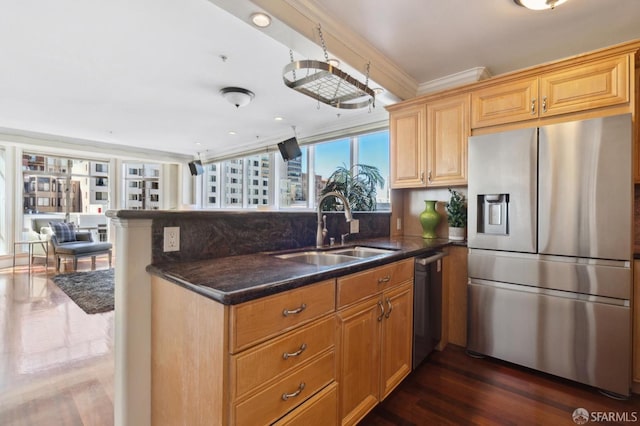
[
  {"x": 354, "y": 226},
  {"x": 172, "y": 238}
]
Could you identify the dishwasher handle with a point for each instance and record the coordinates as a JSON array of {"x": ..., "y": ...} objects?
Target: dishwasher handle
[{"x": 424, "y": 261}]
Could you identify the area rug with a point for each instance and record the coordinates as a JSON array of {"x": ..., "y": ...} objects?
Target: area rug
[{"x": 92, "y": 291}]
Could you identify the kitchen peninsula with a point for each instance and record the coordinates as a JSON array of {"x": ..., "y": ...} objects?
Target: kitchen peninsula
[{"x": 212, "y": 277}]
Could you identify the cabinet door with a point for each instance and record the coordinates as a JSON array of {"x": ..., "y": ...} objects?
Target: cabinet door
[
  {"x": 592, "y": 85},
  {"x": 505, "y": 103},
  {"x": 397, "y": 337},
  {"x": 447, "y": 131},
  {"x": 359, "y": 359},
  {"x": 407, "y": 147}
]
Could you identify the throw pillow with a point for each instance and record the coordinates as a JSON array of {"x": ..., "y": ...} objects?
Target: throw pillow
[{"x": 64, "y": 231}]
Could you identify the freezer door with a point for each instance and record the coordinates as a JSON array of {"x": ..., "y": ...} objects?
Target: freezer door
[
  {"x": 502, "y": 191},
  {"x": 585, "y": 188}
]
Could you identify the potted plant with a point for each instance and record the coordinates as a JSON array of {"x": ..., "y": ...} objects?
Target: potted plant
[
  {"x": 358, "y": 184},
  {"x": 456, "y": 215}
]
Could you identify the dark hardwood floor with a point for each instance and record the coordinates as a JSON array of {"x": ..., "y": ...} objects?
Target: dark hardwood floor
[
  {"x": 452, "y": 388},
  {"x": 56, "y": 369}
]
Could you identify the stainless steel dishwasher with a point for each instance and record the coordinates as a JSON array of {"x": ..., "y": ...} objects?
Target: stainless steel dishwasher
[{"x": 427, "y": 305}]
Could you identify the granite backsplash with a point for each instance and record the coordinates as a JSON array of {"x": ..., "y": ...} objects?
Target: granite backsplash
[{"x": 221, "y": 234}]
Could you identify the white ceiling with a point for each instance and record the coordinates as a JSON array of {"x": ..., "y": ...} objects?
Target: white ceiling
[{"x": 147, "y": 73}]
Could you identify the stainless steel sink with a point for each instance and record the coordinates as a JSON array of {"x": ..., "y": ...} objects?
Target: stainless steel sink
[
  {"x": 319, "y": 258},
  {"x": 362, "y": 251},
  {"x": 334, "y": 257}
]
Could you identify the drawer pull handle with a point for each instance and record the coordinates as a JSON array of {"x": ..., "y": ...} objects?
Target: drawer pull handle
[
  {"x": 533, "y": 106},
  {"x": 288, "y": 312},
  {"x": 287, "y": 355},
  {"x": 544, "y": 104},
  {"x": 286, "y": 396},
  {"x": 381, "y": 306},
  {"x": 390, "y": 308},
  {"x": 384, "y": 279}
]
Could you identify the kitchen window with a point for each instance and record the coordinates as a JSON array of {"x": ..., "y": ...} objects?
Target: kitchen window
[{"x": 287, "y": 184}]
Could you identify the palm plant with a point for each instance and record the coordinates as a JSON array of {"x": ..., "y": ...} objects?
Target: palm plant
[{"x": 358, "y": 184}]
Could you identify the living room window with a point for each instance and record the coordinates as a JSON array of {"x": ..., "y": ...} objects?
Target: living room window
[{"x": 54, "y": 184}]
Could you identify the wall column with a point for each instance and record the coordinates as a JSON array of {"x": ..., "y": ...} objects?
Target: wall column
[{"x": 132, "y": 401}]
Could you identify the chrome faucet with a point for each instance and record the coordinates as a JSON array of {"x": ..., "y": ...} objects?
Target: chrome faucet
[{"x": 322, "y": 230}]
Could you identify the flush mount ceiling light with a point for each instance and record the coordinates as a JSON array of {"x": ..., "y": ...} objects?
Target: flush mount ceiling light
[
  {"x": 539, "y": 4},
  {"x": 261, "y": 20},
  {"x": 326, "y": 83},
  {"x": 237, "y": 96}
]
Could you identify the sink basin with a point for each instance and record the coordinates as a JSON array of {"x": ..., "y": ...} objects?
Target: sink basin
[
  {"x": 319, "y": 258},
  {"x": 362, "y": 251},
  {"x": 334, "y": 257}
]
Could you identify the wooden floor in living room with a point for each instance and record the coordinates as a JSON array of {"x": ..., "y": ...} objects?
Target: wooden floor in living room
[
  {"x": 56, "y": 369},
  {"x": 56, "y": 362}
]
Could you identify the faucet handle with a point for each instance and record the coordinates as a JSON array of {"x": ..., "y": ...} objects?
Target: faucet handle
[{"x": 343, "y": 237}]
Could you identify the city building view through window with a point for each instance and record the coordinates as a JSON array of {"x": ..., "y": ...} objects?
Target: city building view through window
[{"x": 265, "y": 180}]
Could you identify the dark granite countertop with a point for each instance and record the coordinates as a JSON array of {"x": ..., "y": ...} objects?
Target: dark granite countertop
[{"x": 236, "y": 279}]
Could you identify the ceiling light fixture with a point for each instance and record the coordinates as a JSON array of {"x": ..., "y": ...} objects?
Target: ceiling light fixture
[
  {"x": 237, "y": 96},
  {"x": 261, "y": 20},
  {"x": 327, "y": 83},
  {"x": 539, "y": 4}
]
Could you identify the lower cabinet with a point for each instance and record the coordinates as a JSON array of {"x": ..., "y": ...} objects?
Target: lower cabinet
[
  {"x": 375, "y": 338},
  {"x": 285, "y": 359}
]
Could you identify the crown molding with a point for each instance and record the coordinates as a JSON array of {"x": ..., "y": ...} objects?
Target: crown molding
[
  {"x": 68, "y": 144},
  {"x": 303, "y": 16},
  {"x": 452, "y": 80}
]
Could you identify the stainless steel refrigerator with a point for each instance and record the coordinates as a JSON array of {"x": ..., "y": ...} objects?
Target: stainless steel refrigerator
[{"x": 549, "y": 236}]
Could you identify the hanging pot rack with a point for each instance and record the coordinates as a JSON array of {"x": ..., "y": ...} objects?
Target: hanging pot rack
[{"x": 326, "y": 83}]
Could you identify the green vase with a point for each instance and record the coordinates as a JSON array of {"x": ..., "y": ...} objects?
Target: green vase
[{"x": 429, "y": 219}]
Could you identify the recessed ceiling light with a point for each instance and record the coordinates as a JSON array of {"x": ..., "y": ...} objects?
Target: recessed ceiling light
[
  {"x": 232, "y": 132},
  {"x": 539, "y": 4},
  {"x": 261, "y": 20},
  {"x": 378, "y": 90},
  {"x": 279, "y": 118},
  {"x": 334, "y": 63}
]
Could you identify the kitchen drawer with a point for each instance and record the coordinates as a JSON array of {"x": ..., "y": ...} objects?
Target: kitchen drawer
[
  {"x": 273, "y": 403},
  {"x": 364, "y": 284},
  {"x": 258, "y": 366},
  {"x": 255, "y": 321},
  {"x": 320, "y": 410}
]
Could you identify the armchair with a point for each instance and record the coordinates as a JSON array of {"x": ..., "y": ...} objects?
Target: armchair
[{"x": 66, "y": 243}]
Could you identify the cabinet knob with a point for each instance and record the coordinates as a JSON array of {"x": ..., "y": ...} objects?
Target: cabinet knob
[
  {"x": 286, "y": 396},
  {"x": 390, "y": 308},
  {"x": 288, "y": 355},
  {"x": 384, "y": 279},
  {"x": 381, "y": 306},
  {"x": 288, "y": 312}
]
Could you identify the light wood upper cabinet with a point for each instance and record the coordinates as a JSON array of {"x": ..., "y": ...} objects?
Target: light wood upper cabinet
[
  {"x": 589, "y": 85},
  {"x": 448, "y": 128},
  {"x": 407, "y": 148},
  {"x": 505, "y": 103},
  {"x": 429, "y": 143}
]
